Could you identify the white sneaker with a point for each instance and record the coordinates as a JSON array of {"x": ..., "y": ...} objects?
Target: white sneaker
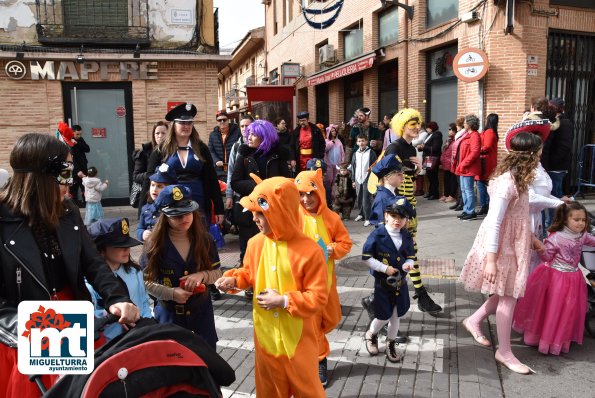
[
  {"x": 366, "y": 223},
  {"x": 359, "y": 218}
]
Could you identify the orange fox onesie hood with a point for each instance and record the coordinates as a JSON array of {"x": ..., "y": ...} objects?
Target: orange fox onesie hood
[
  {"x": 311, "y": 181},
  {"x": 279, "y": 200}
]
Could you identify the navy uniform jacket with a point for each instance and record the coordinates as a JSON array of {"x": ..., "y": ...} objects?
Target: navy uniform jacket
[
  {"x": 147, "y": 220},
  {"x": 197, "y": 314},
  {"x": 384, "y": 197},
  {"x": 380, "y": 246}
]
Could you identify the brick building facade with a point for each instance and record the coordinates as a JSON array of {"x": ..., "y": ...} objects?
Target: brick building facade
[
  {"x": 412, "y": 58},
  {"x": 116, "y": 86}
]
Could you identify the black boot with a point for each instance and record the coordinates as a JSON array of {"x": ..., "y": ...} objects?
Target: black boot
[
  {"x": 483, "y": 211},
  {"x": 249, "y": 293},
  {"x": 425, "y": 302},
  {"x": 322, "y": 365},
  {"x": 214, "y": 292},
  {"x": 368, "y": 304}
]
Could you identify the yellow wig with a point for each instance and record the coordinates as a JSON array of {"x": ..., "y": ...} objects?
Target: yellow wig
[{"x": 403, "y": 116}]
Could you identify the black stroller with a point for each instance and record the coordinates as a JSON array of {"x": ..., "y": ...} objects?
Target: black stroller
[
  {"x": 588, "y": 261},
  {"x": 151, "y": 360}
]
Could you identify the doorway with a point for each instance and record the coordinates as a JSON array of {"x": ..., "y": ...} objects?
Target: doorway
[
  {"x": 322, "y": 105},
  {"x": 104, "y": 111}
]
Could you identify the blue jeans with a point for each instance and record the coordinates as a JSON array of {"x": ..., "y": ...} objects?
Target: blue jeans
[
  {"x": 484, "y": 198},
  {"x": 558, "y": 191},
  {"x": 468, "y": 194}
]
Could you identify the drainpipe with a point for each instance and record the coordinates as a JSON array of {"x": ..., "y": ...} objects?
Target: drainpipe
[{"x": 406, "y": 61}]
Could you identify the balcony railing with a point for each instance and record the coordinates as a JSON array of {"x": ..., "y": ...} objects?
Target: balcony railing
[{"x": 115, "y": 22}]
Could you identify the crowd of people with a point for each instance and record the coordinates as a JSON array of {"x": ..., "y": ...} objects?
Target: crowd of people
[{"x": 288, "y": 194}]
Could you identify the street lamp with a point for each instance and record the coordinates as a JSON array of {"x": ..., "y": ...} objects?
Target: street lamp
[{"x": 408, "y": 9}]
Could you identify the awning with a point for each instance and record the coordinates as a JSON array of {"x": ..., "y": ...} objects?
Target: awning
[{"x": 341, "y": 70}]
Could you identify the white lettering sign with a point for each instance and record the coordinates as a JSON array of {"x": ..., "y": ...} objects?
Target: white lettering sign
[{"x": 69, "y": 70}]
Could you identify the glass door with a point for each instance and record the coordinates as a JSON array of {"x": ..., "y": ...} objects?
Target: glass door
[{"x": 104, "y": 111}]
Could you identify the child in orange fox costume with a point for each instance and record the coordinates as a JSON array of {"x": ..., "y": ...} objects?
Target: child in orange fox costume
[
  {"x": 288, "y": 271},
  {"x": 325, "y": 227}
]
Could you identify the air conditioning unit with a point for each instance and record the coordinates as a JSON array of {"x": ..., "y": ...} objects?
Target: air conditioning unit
[
  {"x": 326, "y": 54},
  {"x": 250, "y": 81}
]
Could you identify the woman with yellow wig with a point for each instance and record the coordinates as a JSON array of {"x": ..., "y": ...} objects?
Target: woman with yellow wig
[{"x": 406, "y": 124}]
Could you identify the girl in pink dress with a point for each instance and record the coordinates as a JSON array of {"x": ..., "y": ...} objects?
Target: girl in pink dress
[
  {"x": 552, "y": 313},
  {"x": 498, "y": 263}
]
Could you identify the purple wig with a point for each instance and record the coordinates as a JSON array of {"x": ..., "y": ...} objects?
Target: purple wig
[{"x": 266, "y": 132}]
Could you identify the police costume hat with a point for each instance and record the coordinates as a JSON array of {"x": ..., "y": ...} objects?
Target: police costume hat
[
  {"x": 164, "y": 175},
  {"x": 181, "y": 113},
  {"x": 315, "y": 164},
  {"x": 401, "y": 206},
  {"x": 388, "y": 164},
  {"x": 113, "y": 232},
  {"x": 175, "y": 200},
  {"x": 303, "y": 115}
]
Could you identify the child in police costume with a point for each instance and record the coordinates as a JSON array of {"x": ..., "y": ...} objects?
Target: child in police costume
[
  {"x": 113, "y": 241},
  {"x": 288, "y": 271},
  {"x": 389, "y": 252},
  {"x": 320, "y": 222},
  {"x": 389, "y": 171},
  {"x": 163, "y": 176},
  {"x": 406, "y": 124},
  {"x": 181, "y": 256}
]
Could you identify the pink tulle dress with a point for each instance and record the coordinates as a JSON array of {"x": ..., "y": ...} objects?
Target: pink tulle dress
[
  {"x": 514, "y": 245},
  {"x": 552, "y": 313}
]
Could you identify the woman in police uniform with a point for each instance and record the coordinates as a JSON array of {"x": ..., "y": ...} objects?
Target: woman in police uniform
[
  {"x": 181, "y": 258},
  {"x": 183, "y": 150}
]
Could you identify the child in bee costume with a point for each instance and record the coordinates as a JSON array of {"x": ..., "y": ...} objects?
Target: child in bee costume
[{"x": 389, "y": 252}]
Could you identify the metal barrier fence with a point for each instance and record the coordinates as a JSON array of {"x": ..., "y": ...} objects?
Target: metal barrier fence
[{"x": 586, "y": 169}]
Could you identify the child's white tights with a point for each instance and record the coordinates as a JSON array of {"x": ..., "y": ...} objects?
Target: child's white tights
[
  {"x": 503, "y": 307},
  {"x": 393, "y": 325}
]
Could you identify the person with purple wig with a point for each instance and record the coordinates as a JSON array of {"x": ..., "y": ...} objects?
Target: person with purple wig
[{"x": 262, "y": 155}]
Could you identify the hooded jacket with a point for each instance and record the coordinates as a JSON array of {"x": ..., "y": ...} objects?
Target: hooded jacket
[
  {"x": 325, "y": 225},
  {"x": 93, "y": 188},
  {"x": 286, "y": 260}
]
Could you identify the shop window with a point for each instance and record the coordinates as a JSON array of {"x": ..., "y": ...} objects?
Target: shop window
[
  {"x": 441, "y": 86},
  {"x": 440, "y": 11},
  {"x": 574, "y": 3},
  {"x": 353, "y": 43},
  {"x": 388, "y": 27},
  {"x": 353, "y": 94},
  {"x": 387, "y": 88}
]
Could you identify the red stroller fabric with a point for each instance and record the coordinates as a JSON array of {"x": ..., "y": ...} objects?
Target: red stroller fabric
[{"x": 161, "y": 360}]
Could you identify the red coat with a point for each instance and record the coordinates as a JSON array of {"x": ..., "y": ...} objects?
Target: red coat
[
  {"x": 467, "y": 158},
  {"x": 489, "y": 153}
]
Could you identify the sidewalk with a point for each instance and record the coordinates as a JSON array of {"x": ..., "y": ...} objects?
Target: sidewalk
[{"x": 441, "y": 359}]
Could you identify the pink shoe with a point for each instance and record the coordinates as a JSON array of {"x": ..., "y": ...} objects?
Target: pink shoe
[
  {"x": 477, "y": 334},
  {"x": 514, "y": 365}
]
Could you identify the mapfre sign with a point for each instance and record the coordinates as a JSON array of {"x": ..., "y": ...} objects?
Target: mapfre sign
[{"x": 69, "y": 70}]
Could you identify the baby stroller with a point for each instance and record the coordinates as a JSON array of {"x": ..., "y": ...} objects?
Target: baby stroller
[
  {"x": 588, "y": 261},
  {"x": 151, "y": 360}
]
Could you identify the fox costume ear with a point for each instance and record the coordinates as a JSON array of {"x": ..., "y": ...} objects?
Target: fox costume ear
[
  {"x": 318, "y": 173},
  {"x": 256, "y": 178}
]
